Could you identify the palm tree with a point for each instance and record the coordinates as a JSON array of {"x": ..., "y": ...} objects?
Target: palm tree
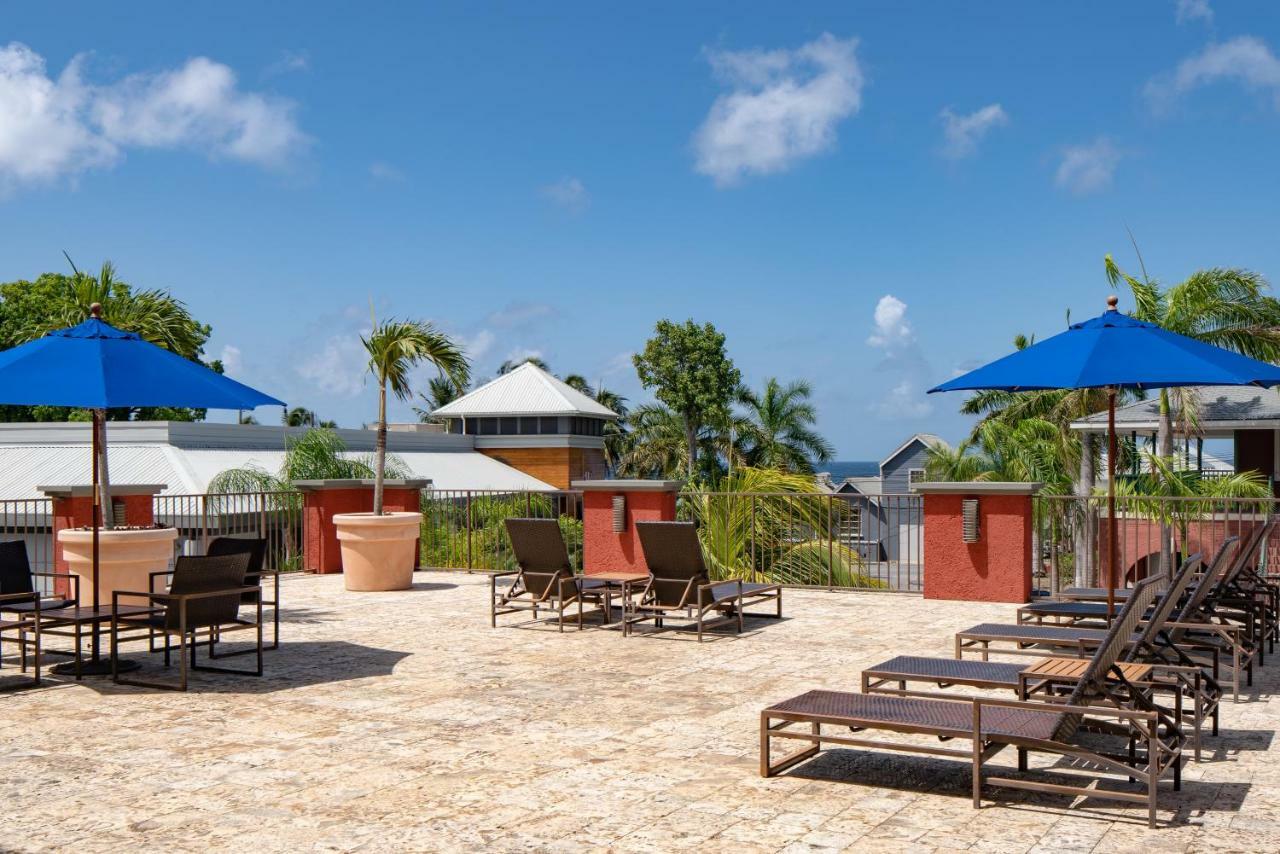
[
  {"x": 441, "y": 391},
  {"x": 394, "y": 348},
  {"x": 299, "y": 416},
  {"x": 578, "y": 382},
  {"x": 779, "y": 430},
  {"x": 1226, "y": 307},
  {"x": 511, "y": 364},
  {"x": 318, "y": 454}
]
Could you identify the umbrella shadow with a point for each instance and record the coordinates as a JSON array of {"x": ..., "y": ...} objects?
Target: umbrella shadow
[{"x": 292, "y": 665}]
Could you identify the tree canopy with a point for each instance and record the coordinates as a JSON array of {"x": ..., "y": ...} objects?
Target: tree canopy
[{"x": 688, "y": 370}]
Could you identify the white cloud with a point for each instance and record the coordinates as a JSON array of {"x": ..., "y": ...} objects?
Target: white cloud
[
  {"x": 892, "y": 330},
  {"x": 782, "y": 106},
  {"x": 1192, "y": 10},
  {"x": 905, "y": 400},
  {"x": 568, "y": 193},
  {"x": 620, "y": 363},
  {"x": 1086, "y": 169},
  {"x": 477, "y": 346},
  {"x": 53, "y": 128},
  {"x": 1245, "y": 60},
  {"x": 290, "y": 62},
  {"x": 338, "y": 368},
  {"x": 963, "y": 132},
  {"x": 521, "y": 314},
  {"x": 382, "y": 171},
  {"x": 232, "y": 360}
]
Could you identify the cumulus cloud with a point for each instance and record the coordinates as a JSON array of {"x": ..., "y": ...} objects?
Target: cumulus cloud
[
  {"x": 891, "y": 328},
  {"x": 1193, "y": 10},
  {"x": 1086, "y": 169},
  {"x": 232, "y": 360},
  {"x": 338, "y": 368},
  {"x": 1245, "y": 60},
  {"x": 905, "y": 400},
  {"x": 53, "y": 128},
  {"x": 477, "y": 346},
  {"x": 782, "y": 107},
  {"x": 568, "y": 193},
  {"x": 962, "y": 133},
  {"x": 386, "y": 173}
]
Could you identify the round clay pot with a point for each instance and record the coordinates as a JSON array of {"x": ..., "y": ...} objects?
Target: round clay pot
[
  {"x": 126, "y": 559},
  {"x": 378, "y": 552}
]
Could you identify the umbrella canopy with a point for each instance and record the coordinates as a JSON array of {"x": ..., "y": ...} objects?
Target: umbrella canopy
[
  {"x": 93, "y": 365},
  {"x": 1115, "y": 351}
]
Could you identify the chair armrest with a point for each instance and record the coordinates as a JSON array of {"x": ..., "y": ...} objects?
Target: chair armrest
[
  {"x": 507, "y": 574},
  {"x": 1037, "y": 706},
  {"x": 75, "y": 581},
  {"x": 20, "y": 597}
]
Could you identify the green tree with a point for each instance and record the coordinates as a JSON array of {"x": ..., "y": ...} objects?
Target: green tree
[
  {"x": 780, "y": 430},
  {"x": 299, "y": 416},
  {"x": 511, "y": 364},
  {"x": 318, "y": 454},
  {"x": 394, "y": 348},
  {"x": 689, "y": 371}
]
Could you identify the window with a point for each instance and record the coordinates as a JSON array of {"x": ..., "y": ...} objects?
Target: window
[
  {"x": 507, "y": 426},
  {"x": 851, "y": 525},
  {"x": 915, "y": 476},
  {"x": 529, "y": 426},
  {"x": 549, "y": 425}
]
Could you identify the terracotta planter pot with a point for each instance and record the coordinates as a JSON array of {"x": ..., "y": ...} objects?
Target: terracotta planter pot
[
  {"x": 378, "y": 552},
  {"x": 125, "y": 560}
]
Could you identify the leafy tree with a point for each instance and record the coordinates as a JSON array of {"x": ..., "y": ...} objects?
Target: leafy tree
[
  {"x": 318, "y": 454},
  {"x": 394, "y": 348},
  {"x": 779, "y": 430},
  {"x": 689, "y": 371},
  {"x": 299, "y": 416}
]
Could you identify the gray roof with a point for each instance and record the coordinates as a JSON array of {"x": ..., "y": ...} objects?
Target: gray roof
[
  {"x": 1224, "y": 406},
  {"x": 927, "y": 439}
]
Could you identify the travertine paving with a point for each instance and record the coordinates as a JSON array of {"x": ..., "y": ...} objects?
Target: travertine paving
[{"x": 401, "y": 721}]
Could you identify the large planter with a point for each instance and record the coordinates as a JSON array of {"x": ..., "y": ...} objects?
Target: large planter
[
  {"x": 378, "y": 552},
  {"x": 126, "y": 559}
]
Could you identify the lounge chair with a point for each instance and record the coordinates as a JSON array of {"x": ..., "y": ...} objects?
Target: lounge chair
[
  {"x": 1147, "y": 648},
  {"x": 993, "y": 724},
  {"x": 680, "y": 586},
  {"x": 545, "y": 580},
  {"x": 1189, "y": 632},
  {"x": 203, "y": 601}
]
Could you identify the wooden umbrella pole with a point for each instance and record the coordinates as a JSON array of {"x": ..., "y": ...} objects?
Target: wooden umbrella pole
[
  {"x": 1111, "y": 503},
  {"x": 97, "y": 519}
]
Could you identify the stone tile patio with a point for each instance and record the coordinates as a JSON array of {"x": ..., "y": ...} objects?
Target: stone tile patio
[{"x": 403, "y": 722}]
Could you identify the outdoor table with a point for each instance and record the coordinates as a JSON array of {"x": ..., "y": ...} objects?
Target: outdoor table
[
  {"x": 1051, "y": 671},
  {"x": 72, "y": 622},
  {"x": 620, "y": 581}
]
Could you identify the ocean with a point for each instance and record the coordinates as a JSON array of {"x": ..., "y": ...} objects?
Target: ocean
[{"x": 840, "y": 469}]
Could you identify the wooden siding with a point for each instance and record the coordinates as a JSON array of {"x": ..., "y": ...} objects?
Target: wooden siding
[
  {"x": 896, "y": 469},
  {"x": 556, "y": 466}
]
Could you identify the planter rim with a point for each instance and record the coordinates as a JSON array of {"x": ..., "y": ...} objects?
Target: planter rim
[
  {"x": 86, "y": 534},
  {"x": 352, "y": 483},
  {"x": 364, "y": 517}
]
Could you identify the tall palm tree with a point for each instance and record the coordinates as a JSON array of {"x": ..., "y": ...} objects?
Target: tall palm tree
[
  {"x": 299, "y": 416},
  {"x": 578, "y": 382},
  {"x": 441, "y": 391},
  {"x": 394, "y": 348},
  {"x": 511, "y": 364},
  {"x": 779, "y": 430},
  {"x": 1226, "y": 307}
]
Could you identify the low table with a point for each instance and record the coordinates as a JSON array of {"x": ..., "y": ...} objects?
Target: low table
[
  {"x": 620, "y": 581},
  {"x": 71, "y": 623},
  {"x": 1069, "y": 670}
]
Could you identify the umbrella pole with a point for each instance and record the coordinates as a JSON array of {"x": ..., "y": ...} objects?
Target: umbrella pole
[
  {"x": 97, "y": 520},
  {"x": 1111, "y": 503}
]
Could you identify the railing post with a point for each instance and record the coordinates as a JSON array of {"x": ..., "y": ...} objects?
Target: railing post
[{"x": 468, "y": 529}]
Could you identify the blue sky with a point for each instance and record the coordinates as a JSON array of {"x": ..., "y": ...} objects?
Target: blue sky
[{"x": 870, "y": 196}]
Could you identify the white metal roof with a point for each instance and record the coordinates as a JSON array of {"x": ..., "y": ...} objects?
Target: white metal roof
[
  {"x": 527, "y": 390},
  {"x": 187, "y": 471}
]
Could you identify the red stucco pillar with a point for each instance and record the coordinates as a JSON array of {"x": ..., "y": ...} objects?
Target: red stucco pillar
[
  {"x": 322, "y": 499},
  {"x": 603, "y": 550},
  {"x": 994, "y": 568},
  {"x": 72, "y": 507}
]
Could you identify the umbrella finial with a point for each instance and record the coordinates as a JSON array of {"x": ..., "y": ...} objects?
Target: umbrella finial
[
  {"x": 95, "y": 310},
  {"x": 1112, "y": 302}
]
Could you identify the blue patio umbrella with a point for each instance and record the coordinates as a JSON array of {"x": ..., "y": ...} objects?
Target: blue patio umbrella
[
  {"x": 1115, "y": 351},
  {"x": 97, "y": 367}
]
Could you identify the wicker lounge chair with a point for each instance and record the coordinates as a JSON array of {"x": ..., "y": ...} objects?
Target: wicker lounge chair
[
  {"x": 203, "y": 600},
  {"x": 256, "y": 548},
  {"x": 1181, "y": 680},
  {"x": 545, "y": 580},
  {"x": 1152, "y": 741},
  {"x": 1189, "y": 636},
  {"x": 679, "y": 585}
]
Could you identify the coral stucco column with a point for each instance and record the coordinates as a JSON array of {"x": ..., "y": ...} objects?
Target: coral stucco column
[
  {"x": 322, "y": 499},
  {"x": 995, "y": 566},
  {"x": 72, "y": 507},
  {"x": 603, "y": 549}
]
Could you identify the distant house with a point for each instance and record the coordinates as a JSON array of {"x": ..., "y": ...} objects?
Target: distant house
[{"x": 885, "y": 523}]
